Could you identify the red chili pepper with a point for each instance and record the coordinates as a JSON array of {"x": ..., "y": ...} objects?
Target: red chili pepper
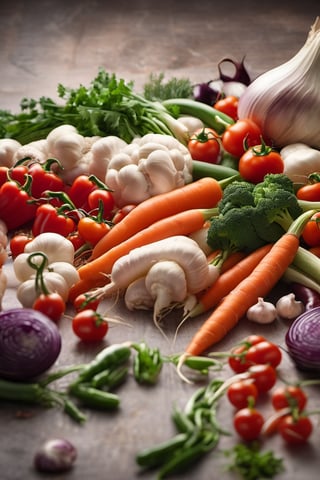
[
  {"x": 15, "y": 209},
  {"x": 43, "y": 178},
  {"x": 52, "y": 219},
  {"x": 79, "y": 191},
  {"x": 18, "y": 174}
]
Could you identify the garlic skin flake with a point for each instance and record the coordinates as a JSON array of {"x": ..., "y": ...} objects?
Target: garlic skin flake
[
  {"x": 262, "y": 312},
  {"x": 285, "y": 101},
  {"x": 288, "y": 307}
]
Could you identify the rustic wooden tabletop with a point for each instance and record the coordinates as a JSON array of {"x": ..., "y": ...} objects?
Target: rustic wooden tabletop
[{"x": 50, "y": 42}]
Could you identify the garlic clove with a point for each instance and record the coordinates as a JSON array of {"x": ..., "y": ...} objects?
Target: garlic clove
[
  {"x": 262, "y": 312},
  {"x": 288, "y": 307}
]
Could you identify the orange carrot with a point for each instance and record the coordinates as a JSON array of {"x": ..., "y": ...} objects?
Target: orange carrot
[
  {"x": 234, "y": 306},
  {"x": 228, "y": 280},
  {"x": 93, "y": 274},
  {"x": 204, "y": 193}
]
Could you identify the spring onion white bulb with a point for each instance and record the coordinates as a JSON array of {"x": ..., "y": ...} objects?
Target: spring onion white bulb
[{"x": 285, "y": 101}]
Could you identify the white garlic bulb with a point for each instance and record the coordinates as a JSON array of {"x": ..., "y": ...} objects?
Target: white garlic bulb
[
  {"x": 288, "y": 307},
  {"x": 262, "y": 312}
]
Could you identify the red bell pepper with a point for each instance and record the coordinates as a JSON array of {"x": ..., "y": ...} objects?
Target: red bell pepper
[
  {"x": 18, "y": 174},
  {"x": 15, "y": 209},
  {"x": 52, "y": 219},
  {"x": 43, "y": 178}
]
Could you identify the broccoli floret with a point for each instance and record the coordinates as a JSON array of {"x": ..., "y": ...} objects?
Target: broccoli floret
[
  {"x": 276, "y": 201},
  {"x": 236, "y": 195},
  {"x": 235, "y": 230}
]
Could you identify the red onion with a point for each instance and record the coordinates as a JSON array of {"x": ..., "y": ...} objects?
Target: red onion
[
  {"x": 303, "y": 340},
  {"x": 29, "y": 343},
  {"x": 55, "y": 455},
  {"x": 310, "y": 298}
]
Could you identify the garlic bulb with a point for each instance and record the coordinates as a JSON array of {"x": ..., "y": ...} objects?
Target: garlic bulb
[
  {"x": 288, "y": 307},
  {"x": 285, "y": 101},
  {"x": 262, "y": 312}
]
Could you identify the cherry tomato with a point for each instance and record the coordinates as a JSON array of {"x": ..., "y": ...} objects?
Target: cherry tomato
[
  {"x": 241, "y": 392},
  {"x": 104, "y": 196},
  {"x": 234, "y": 137},
  {"x": 289, "y": 396},
  {"x": 311, "y": 190},
  {"x": 258, "y": 161},
  {"x": 237, "y": 359},
  {"x": 18, "y": 242},
  {"x": 264, "y": 352},
  {"x": 228, "y": 105},
  {"x": 85, "y": 302},
  {"x": 89, "y": 325},
  {"x": 91, "y": 230},
  {"x": 264, "y": 376},
  {"x": 204, "y": 145},
  {"x": 295, "y": 430},
  {"x": 51, "y": 304},
  {"x": 311, "y": 231},
  {"x": 248, "y": 423},
  {"x": 76, "y": 240},
  {"x": 122, "y": 212}
]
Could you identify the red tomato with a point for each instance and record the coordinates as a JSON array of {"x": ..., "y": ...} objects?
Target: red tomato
[
  {"x": 241, "y": 392},
  {"x": 241, "y": 132},
  {"x": 204, "y": 145},
  {"x": 107, "y": 200},
  {"x": 264, "y": 352},
  {"x": 85, "y": 302},
  {"x": 258, "y": 161},
  {"x": 122, "y": 212},
  {"x": 311, "y": 231},
  {"x": 310, "y": 191},
  {"x": 248, "y": 423},
  {"x": 51, "y": 304},
  {"x": 289, "y": 396},
  {"x": 76, "y": 240},
  {"x": 295, "y": 430},
  {"x": 264, "y": 377},
  {"x": 18, "y": 242},
  {"x": 237, "y": 359},
  {"x": 91, "y": 230},
  {"x": 228, "y": 105},
  {"x": 89, "y": 325}
]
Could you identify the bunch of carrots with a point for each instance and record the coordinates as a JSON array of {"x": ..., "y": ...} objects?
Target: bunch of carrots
[{"x": 182, "y": 212}]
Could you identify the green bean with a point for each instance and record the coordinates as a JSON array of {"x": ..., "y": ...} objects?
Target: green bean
[
  {"x": 157, "y": 455},
  {"x": 219, "y": 172},
  {"x": 183, "y": 459},
  {"x": 32, "y": 393},
  {"x": 95, "y": 398},
  {"x": 73, "y": 411},
  {"x": 109, "y": 378},
  {"x": 110, "y": 356},
  {"x": 181, "y": 421}
]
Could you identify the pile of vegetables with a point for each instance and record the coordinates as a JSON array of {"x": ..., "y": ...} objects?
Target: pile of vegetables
[{"x": 198, "y": 202}]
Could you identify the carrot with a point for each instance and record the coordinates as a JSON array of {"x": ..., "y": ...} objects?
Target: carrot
[
  {"x": 228, "y": 280},
  {"x": 204, "y": 193},
  {"x": 234, "y": 306},
  {"x": 93, "y": 274}
]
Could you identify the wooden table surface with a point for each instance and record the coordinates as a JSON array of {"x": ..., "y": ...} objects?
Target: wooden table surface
[{"x": 50, "y": 42}]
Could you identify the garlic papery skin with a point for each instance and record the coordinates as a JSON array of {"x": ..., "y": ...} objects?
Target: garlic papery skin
[
  {"x": 288, "y": 307},
  {"x": 262, "y": 312},
  {"x": 285, "y": 101}
]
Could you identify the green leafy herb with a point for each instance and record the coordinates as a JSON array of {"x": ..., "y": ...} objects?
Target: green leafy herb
[
  {"x": 252, "y": 464},
  {"x": 157, "y": 89},
  {"x": 109, "y": 106}
]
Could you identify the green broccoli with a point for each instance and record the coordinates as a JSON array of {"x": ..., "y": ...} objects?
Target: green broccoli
[
  {"x": 235, "y": 230},
  {"x": 236, "y": 195},
  {"x": 275, "y": 200}
]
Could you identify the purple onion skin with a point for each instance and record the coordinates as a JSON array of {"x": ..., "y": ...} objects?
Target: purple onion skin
[
  {"x": 240, "y": 75},
  {"x": 303, "y": 340},
  {"x": 203, "y": 93},
  {"x": 55, "y": 455},
  {"x": 30, "y": 343},
  {"x": 306, "y": 295}
]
